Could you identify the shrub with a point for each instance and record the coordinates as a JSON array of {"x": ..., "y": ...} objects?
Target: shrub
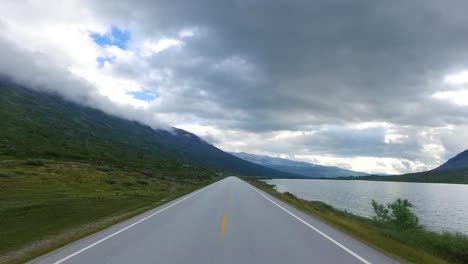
[
  {"x": 51, "y": 154},
  {"x": 35, "y": 163},
  {"x": 290, "y": 195},
  {"x": 148, "y": 173},
  {"x": 402, "y": 214},
  {"x": 5, "y": 174},
  {"x": 104, "y": 168},
  {"x": 382, "y": 214},
  {"x": 322, "y": 205},
  {"x": 129, "y": 183},
  {"x": 110, "y": 180},
  {"x": 397, "y": 213},
  {"x": 142, "y": 182}
]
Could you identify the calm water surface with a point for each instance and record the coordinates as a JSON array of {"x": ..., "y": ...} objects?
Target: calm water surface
[{"x": 440, "y": 207}]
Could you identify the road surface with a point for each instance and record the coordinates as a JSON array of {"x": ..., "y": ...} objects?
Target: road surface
[{"x": 226, "y": 222}]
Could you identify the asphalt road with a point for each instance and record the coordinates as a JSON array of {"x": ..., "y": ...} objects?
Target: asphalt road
[{"x": 226, "y": 222}]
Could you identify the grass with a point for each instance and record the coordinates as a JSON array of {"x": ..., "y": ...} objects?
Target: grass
[
  {"x": 411, "y": 246},
  {"x": 45, "y": 204}
]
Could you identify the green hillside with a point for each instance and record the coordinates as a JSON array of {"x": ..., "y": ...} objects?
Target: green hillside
[
  {"x": 67, "y": 171},
  {"x": 45, "y": 126}
]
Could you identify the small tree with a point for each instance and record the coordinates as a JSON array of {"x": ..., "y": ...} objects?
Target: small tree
[
  {"x": 397, "y": 213},
  {"x": 381, "y": 212},
  {"x": 402, "y": 214}
]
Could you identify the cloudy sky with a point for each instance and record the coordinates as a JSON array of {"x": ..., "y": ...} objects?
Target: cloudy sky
[{"x": 376, "y": 86}]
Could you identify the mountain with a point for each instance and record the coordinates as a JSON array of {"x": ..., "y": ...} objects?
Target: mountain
[
  {"x": 460, "y": 161},
  {"x": 302, "y": 168},
  {"x": 455, "y": 170},
  {"x": 41, "y": 125}
]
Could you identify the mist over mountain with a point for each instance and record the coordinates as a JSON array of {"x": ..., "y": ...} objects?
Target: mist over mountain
[
  {"x": 302, "y": 168},
  {"x": 43, "y": 125}
]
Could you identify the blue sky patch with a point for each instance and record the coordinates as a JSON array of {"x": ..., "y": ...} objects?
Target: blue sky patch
[
  {"x": 102, "y": 60},
  {"x": 116, "y": 37},
  {"x": 144, "y": 95}
]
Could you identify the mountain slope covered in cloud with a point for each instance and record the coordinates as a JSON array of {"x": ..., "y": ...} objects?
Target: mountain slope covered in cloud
[
  {"x": 296, "y": 167},
  {"x": 42, "y": 125},
  {"x": 385, "y": 93}
]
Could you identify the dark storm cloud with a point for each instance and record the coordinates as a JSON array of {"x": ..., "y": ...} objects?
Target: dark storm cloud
[
  {"x": 259, "y": 67},
  {"x": 325, "y": 61}
]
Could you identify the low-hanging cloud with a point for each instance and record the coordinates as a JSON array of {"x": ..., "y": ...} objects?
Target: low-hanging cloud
[
  {"x": 299, "y": 77},
  {"x": 37, "y": 71}
]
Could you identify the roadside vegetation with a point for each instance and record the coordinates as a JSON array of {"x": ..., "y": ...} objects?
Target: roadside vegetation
[
  {"x": 394, "y": 230},
  {"x": 46, "y": 203},
  {"x": 67, "y": 171}
]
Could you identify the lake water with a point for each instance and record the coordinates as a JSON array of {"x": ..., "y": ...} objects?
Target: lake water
[{"x": 440, "y": 207}]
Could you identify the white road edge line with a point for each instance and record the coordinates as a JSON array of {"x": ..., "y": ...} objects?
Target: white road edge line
[
  {"x": 125, "y": 228},
  {"x": 363, "y": 260}
]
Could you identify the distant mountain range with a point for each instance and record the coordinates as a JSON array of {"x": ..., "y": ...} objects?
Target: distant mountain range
[
  {"x": 296, "y": 167},
  {"x": 455, "y": 170},
  {"x": 42, "y": 125}
]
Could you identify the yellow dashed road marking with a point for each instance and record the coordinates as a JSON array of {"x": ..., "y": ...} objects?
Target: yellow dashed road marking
[{"x": 223, "y": 226}]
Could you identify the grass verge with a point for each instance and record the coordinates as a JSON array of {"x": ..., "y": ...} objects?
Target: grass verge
[
  {"x": 45, "y": 204},
  {"x": 408, "y": 246}
]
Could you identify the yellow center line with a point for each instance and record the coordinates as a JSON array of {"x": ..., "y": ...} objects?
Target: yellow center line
[
  {"x": 228, "y": 196},
  {"x": 223, "y": 226}
]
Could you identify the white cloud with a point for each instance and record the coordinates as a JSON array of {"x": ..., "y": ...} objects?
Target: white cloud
[
  {"x": 290, "y": 84},
  {"x": 150, "y": 47},
  {"x": 458, "y": 97},
  {"x": 368, "y": 164},
  {"x": 186, "y": 33},
  {"x": 394, "y": 138},
  {"x": 457, "y": 78}
]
